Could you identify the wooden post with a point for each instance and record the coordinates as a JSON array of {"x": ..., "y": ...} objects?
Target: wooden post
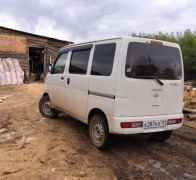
[{"x": 45, "y": 62}]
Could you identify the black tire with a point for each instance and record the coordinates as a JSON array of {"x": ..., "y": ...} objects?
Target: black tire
[
  {"x": 98, "y": 131},
  {"x": 50, "y": 112},
  {"x": 160, "y": 136}
]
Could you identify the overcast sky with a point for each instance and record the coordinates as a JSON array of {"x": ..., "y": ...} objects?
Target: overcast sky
[{"x": 81, "y": 20}]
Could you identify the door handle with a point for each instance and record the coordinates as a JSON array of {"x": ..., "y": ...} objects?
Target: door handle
[
  {"x": 68, "y": 81},
  {"x": 62, "y": 78}
]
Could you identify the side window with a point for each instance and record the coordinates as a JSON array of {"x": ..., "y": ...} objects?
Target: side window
[
  {"x": 79, "y": 61},
  {"x": 103, "y": 59},
  {"x": 59, "y": 65}
]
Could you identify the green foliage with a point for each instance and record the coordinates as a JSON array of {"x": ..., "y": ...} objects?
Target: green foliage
[
  {"x": 166, "y": 37},
  {"x": 188, "y": 45}
]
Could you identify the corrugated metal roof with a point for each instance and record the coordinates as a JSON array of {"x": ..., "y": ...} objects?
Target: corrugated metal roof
[{"x": 35, "y": 35}]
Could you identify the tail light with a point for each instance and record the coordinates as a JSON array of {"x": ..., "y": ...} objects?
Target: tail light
[
  {"x": 137, "y": 124},
  {"x": 174, "y": 121}
]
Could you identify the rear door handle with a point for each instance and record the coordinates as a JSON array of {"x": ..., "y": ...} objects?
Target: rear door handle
[
  {"x": 68, "y": 81},
  {"x": 62, "y": 78}
]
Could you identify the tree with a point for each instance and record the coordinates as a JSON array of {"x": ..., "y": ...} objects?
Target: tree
[{"x": 188, "y": 45}]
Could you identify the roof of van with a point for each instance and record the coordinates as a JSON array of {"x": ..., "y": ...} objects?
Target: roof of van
[
  {"x": 93, "y": 41},
  {"x": 120, "y": 37}
]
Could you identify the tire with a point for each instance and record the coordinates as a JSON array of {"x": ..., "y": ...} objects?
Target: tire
[
  {"x": 45, "y": 109},
  {"x": 161, "y": 136},
  {"x": 98, "y": 131}
]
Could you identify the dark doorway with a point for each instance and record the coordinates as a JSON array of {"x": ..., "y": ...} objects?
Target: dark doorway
[{"x": 36, "y": 63}]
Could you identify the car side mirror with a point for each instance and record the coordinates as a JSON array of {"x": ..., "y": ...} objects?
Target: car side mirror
[{"x": 50, "y": 68}]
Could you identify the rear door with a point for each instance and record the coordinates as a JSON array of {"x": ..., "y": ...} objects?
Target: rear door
[{"x": 151, "y": 81}]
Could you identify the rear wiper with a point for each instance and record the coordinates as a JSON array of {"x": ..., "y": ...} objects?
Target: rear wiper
[
  {"x": 150, "y": 77},
  {"x": 159, "y": 81}
]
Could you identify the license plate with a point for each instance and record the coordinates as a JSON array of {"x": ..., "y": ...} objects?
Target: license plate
[{"x": 155, "y": 124}]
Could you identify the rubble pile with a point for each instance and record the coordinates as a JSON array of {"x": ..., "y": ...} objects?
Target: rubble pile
[
  {"x": 10, "y": 72},
  {"x": 189, "y": 96}
]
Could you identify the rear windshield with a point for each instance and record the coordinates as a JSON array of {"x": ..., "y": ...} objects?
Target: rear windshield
[{"x": 146, "y": 61}]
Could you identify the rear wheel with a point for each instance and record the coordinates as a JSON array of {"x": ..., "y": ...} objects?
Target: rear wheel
[
  {"x": 98, "y": 131},
  {"x": 45, "y": 108},
  {"x": 161, "y": 136}
]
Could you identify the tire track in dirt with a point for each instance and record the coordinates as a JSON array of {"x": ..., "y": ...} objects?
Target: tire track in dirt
[
  {"x": 187, "y": 134},
  {"x": 123, "y": 158},
  {"x": 118, "y": 165},
  {"x": 185, "y": 150},
  {"x": 175, "y": 156},
  {"x": 159, "y": 158}
]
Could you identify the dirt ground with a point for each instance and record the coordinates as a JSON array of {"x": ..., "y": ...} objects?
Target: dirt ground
[{"x": 33, "y": 147}]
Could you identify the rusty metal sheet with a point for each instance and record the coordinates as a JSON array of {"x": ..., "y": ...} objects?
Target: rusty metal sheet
[{"x": 13, "y": 44}]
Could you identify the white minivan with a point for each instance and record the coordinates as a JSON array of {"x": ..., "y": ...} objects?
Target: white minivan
[{"x": 123, "y": 85}]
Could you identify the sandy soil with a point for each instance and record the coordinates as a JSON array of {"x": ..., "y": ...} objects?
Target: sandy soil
[{"x": 33, "y": 147}]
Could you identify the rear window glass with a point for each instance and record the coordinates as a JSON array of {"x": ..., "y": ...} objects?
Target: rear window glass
[
  {"x": 145, "y": 61},
  {"x": 103, "y": 59}
]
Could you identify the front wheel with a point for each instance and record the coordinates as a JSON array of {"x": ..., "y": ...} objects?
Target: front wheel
[
  {"x": 98, "y": 131},
  {"x": 161, "y": 136},
  {"x": 45, "y": 108}
]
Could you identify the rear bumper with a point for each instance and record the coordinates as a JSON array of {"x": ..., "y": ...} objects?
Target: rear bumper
[{"x": 116, "y": 127}]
